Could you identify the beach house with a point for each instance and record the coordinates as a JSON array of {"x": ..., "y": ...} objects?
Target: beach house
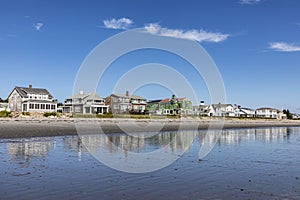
[
  {"x": 126, "y": 103},
  {"x": 171, "y": 106},
  {"x": 29, "y": 99},
  {"x": 153, "y": 107},
  {"x": 82, "y": 103},
  {"x": 267, "y": 113},
  {"x": 138, "y": 104},
  {"x": 244, "y": 112},
  {"x": 222, "y": 110}
]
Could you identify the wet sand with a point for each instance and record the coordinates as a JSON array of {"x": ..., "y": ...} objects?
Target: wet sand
[{"x": 19, "y": 128}]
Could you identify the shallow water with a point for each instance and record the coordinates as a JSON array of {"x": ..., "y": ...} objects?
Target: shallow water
[{"x": 259, "y": 163}]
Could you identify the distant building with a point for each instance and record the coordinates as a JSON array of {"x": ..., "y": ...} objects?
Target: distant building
[
  {"x": 83, "y": 103},
  {"x": 29, "y": 99},
  {"x": 266, "y": 113},
  {"x": 126, "y": 103},
  {"x": 295, "y": 116}
]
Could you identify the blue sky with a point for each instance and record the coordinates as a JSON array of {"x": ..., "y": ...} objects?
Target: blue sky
[{"x": 254, "y": 43}]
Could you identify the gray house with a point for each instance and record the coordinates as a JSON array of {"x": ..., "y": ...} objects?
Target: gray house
[
  {"x": 29, "y": 99},
  {"x": 125, "y": 103},
  {"x": 82, "y": 103}
]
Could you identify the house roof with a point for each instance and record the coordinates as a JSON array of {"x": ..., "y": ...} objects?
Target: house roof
[
  {"x": 24, "y": 91},
  {"x": 88, "y": 96},
  {"x": 130, "y": 96},
  {"x": 266, "y": 109},
  {"x": 204, "y": 106},
  {"x": 249, "y": 109},
  {"x": 168, "y": 100},
  {"x": 136, "y": 97},
  {"x": 154, "y": 101},
  {"x": 220, "y": 105}
]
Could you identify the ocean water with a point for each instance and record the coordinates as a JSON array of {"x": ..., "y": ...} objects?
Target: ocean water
[{"x": 262, "y": 163}]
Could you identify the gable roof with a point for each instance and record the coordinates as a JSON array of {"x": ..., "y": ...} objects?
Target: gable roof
[
  {"x": 129, "y": 96},
  {"x": 266, "y": 109},
  {"x": 249, "y": 109},
  {"x": 166, "y": 100},
  {"x": 88, "y": 96},
  {"x": 154, "y": 101},
  {"x": 24, "y": 91},
  {"x": 220, "y": 105}
]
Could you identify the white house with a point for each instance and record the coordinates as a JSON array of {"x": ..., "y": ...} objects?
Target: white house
[
  {"x": 244, "y": 112},
  {"x": 83, "y": 103},
  {"x": 29, "y": 99},
  {"x": 222, "y": 110},
  {"x": 267, "y": 113},
  {"x": 296, "y": 116}
]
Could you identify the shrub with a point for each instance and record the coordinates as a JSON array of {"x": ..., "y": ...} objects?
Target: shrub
[
  {"x": 25, "y": 113},
  {"x": 105, "y": 115},
  {"x": 4, "y": 113},
  {"x": 48, "y": 114}
]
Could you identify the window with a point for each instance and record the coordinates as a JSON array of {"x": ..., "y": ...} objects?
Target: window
[
  {"x": 37, "y": 106},
  {"x": 77, "y": 109},
  {"x": 52, "y": 107},
  {"x": 43, "y": 106},
  {"x": 31, "y": 106},
  {"x": 47, "y": 106}
]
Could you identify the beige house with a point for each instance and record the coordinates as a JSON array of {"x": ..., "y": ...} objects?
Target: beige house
[{"x": 29, "y": 99}]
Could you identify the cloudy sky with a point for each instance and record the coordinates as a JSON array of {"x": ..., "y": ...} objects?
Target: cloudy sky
[{"x": 254, "y": 43}]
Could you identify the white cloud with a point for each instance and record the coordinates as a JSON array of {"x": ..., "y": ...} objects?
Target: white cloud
[
  {"x": 249, "y": 1},
  {"x": 197, "y": 35},
  {"x": 282, "y": 46},
  {"x": 38, "y": 26},
  {"x": 122, "y": 23}
]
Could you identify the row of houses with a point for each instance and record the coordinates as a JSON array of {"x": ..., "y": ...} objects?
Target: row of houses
[
  {"x": 229, "y": 110},
  {"x": 29, "y": 99}
]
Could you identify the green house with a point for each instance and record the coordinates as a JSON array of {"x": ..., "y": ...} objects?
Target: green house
[{"x": 170, "y": 106}]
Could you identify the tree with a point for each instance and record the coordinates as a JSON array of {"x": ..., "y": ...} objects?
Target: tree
[
  {"x": 289, "y": 115},
  {"x": 3, "y": 100}
]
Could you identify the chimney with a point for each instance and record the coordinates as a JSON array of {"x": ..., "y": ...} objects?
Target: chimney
[
  {"x": 127, "y": 93},
  {"x": 201, "y": 103},
  {"x": 30, "y": 86}
]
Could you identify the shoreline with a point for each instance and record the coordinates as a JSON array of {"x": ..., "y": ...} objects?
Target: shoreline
[{"x": 46, "y": 127}]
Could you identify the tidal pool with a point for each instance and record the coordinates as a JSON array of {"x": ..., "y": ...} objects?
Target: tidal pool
[{"x": 262, "y": 163}]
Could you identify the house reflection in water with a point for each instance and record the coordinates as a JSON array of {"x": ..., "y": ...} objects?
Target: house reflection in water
[
  {"x": 29, "y": 148},
  {"x": 140, "y": 142},
  {"x": 74, "y": 143},
  {"x": 267, "y": 135},
  {"x": 122, "y": 144}
]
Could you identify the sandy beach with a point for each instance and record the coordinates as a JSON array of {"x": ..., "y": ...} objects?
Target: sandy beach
[{"x": 18, "y": 127}]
